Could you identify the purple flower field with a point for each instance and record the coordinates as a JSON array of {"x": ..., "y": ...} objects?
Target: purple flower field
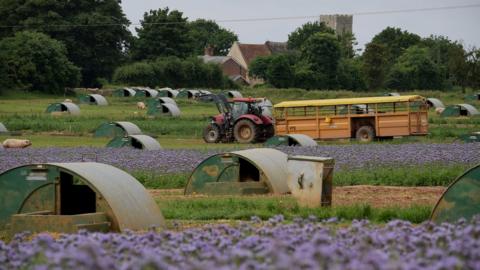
[
  {"x": 303, "y": 244},
  {"x": 355, "y": 156}
]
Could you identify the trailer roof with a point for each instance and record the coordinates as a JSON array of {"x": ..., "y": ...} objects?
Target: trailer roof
[{"x": 348, "y": 101}]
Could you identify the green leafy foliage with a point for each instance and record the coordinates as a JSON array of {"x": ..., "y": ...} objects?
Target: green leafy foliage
[
  {"x": 206, "y": 33},
  {"x": 162, "y": 33},
  {"x": 297, "y": 38},
  {"x": 395, "y": 41},
  {"x": 96, "y": 49},
  {"x": 374, "y": 65},
  {"x": 415, "y": 69},
  {"x": 34, "y": 61},
  {"x": 322, "y": 52},
  {"x": 350, "y": 74},
  {"x": 173, "y": 72}
]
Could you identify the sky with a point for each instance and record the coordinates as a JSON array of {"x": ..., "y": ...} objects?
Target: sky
[{"x": 457, "y": 24}]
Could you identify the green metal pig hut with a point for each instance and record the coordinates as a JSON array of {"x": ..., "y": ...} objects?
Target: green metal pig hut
[
  {"x": 65, "y": 107},
  {"x": 163, "y": 107},
  {"x": 124, "y": 92},
  {"x": 67, "y": 197},
  {"x": 167, "y": 92},
  {"x": 460, "y": 110},
  {"x": 117, "y": 129},
  {"x": 253, "y": 171},
  {"x": 143, "y": 142},
  {"x": 290, "y": 140},
  {"x": 461, "y": 199},
  {"x": 94, "y": 99},
  {"x": 145, "y": 92}
]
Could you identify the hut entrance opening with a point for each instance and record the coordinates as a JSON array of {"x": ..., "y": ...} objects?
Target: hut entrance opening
[
  {"x": 75, "y": 197},
  {"x": 247, "y": 172},
  {"x": 63, "y": 108},
  {"x": 463, "y": 111},
  {"x": 136, "y": 144}
]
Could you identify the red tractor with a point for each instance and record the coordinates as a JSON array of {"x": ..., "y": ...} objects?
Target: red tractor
[{"x": 244, "y": 120}]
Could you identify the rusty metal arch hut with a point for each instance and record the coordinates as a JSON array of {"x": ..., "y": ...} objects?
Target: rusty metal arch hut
[
  {"x": 66, "y": 107},
  {"x": 67, "y": 197},
  {"x": 461, "y": 199},
  {"x": 115, "y": 129},
  {"x": 253, "y": 171}
]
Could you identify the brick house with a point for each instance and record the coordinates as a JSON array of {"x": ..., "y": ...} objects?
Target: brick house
[{"x": 235, "y": 64}]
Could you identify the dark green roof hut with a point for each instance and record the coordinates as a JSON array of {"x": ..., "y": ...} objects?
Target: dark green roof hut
[
  {"x": 67, "y": 197},
  {"x": 461, "y": 199}
]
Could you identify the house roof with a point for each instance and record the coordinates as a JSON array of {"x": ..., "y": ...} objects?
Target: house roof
[
  {"x": 276, "y": 47},
  {"x": 251, "y": 51},
  {"x": 214, "y": 59}
]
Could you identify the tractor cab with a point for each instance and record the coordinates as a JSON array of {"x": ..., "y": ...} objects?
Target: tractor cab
[
  {"x": 244, "y": 120},
  {"x": 241, "y": 106}
]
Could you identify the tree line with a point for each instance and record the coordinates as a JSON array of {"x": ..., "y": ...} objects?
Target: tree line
[
  {"x": 319, "y": 58},
  {"x": 49, "y": 45}
]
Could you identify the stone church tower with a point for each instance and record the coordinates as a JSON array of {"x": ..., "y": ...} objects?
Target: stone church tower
[{"x": 340, "y": 23}]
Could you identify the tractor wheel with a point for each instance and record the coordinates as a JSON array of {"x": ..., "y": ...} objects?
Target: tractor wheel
[
  {"x": 269, "y": 131},
  {"x": 211, "y": 134},
  {"x": 365, "y": 134},
  {"x": 245, "y": 131}
]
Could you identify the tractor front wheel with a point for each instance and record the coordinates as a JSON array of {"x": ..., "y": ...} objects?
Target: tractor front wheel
[
  {"x": 245, "y": 131},
  {"x": 211, "y": 134}
]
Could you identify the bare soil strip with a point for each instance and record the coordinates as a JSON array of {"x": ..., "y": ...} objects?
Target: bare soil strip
[{"x": 376, "y": 196}]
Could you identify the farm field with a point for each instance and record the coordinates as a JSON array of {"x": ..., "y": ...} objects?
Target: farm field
[
  {"x": 26, "y": 114},
  {"x": 383, "y": 194}
]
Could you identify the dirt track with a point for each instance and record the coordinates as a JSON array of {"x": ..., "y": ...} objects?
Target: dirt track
[
  {"x": 376, "y": 196},
  {"x": 379, "y": 196}
]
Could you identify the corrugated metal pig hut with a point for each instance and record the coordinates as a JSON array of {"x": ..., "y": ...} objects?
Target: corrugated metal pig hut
[
  {"x": 263, "y": 171},
  {"x": 63, "y": 107},
  {"x": 67, "y": 197},
  {"x": 143, "y": 142},
  {"x": 117, "y": 129},
  {"x": 461, "y": 199},
  {"x": 291, "y": 140}
]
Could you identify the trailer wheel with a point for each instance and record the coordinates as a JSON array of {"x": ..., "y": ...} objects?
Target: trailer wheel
[
  {"x": 245, "y": 131},
  {"x": 365, "y": 134},
  {"x": 211, "y": 134}
]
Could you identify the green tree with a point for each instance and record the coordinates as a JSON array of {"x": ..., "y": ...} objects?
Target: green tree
[
  {"x": 297, "y": 38},
  {"x": 473, "y": 68},
  {"x": 34, "y": 61},
  {"x": 350, "y": 76},
  {"x": 395, "y": 41},
  {"x": 374, "y": 65},
  {"x": 305, "y": 77},
  {"x": 95, "y": 33},
  {"x": 322, "y": 52},
  {"x": 206, "y": 33},
  {"x": 450, "y": 57},
  {"x": 415, "y": 70},
  {"x": 258, "y": 67},
  {"x": 279, "y": 72},
  {"x": 163, "y": 33}
]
